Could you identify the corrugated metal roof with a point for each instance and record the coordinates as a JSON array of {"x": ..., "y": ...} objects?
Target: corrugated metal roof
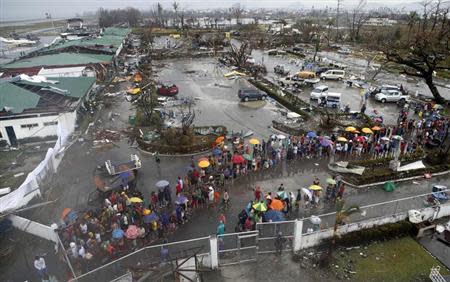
[
  {"x": 75, "y": 87},
  {"x": 22, "y": 95},
  {"x": 116, "y": 31},
  {"x": 56, "y": 71},
  {"x": 60, "y": 59},
  {"x": 108, "y": 43},
  {"x": 16, "y": 98}
]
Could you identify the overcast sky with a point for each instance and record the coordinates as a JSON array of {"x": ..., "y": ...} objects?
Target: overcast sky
[{"x": 11, "y": 10}]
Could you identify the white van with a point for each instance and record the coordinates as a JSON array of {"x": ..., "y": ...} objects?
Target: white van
[
  {"x": 319, "y": 92},
  {"x": 333, "y": 100},
  {"x": 333, "y": 74}
]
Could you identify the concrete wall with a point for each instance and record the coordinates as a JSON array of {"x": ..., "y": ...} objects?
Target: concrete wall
[
  {"x": 41, "y": 130},
  {"x": 35, "y": 228},
  {"x": 308, "y": 240}
]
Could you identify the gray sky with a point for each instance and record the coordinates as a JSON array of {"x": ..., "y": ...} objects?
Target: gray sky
[{"x": 11, "y": 10}]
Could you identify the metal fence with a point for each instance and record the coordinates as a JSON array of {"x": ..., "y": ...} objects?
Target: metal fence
[
  {"x": 150, "y": 260},
  {"x": 268, "y": 232},
  {"x": 372, "y": 211},
  {"x": 235, "y": 248}
]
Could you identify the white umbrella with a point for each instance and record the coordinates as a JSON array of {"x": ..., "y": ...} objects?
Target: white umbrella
[
  {"x": 315, "y": 220},
  {"x": 281, "y": 136},
  {"x": 307, "y": 192}
]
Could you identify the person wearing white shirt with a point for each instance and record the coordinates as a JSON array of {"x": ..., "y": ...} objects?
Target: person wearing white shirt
[{"x": 39, "y": 264}]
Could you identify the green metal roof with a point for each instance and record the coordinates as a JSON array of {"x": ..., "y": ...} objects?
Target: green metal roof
[
  {"x": 17, "y": 98},
  {"x": 20, "y": 99},
  {"x": 77, "y": 87},
  {"x": 60, "y": 59},
  {"x": 116, "y": 31},
  {"x": 106, "y": 40}
]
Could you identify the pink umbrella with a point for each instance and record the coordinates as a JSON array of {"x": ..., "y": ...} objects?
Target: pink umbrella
[{"x": 132, "y": 232}]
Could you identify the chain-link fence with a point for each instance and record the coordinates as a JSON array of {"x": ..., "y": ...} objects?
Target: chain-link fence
[{"x": 151, "y": 261}]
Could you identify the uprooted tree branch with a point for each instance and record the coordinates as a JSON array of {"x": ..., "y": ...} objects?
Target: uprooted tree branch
[{"x": 240, "y": 55}]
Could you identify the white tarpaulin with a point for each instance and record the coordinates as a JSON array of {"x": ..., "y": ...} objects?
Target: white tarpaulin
[
  {"x": 293, "y": 115},
  {"x": 30, "y": 187},
  {"x": 412, "y": 166}
]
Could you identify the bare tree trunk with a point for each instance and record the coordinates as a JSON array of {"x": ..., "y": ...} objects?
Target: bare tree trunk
[{"x": 429, "y": 82}]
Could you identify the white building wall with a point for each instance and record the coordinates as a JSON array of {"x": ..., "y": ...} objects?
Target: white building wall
[{"x": 41, "y": 126}]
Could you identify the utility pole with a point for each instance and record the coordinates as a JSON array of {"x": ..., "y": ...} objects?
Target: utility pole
[{"x": 337, "y": 19}]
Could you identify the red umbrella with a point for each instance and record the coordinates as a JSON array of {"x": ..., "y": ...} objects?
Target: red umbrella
[
  {"x": 237, "y": 159},
  {"x": 360, "y": 139}
]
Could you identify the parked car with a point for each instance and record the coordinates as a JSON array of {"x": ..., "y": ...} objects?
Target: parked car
[
  {"x": 392, "y": 96},
  {"x": 333, "y": 74},
  {"x": 319, "y": 92},
  {"x": 251, "y": 94},
  {"x": 384, "y": 87},
  {"x": 306, "y": 74},
  {"x": 290, "y": 81},
  {"x": 167, "y": 89},
  {"x": 333, "y": 100},
  {"x": 321, "y": 70}
]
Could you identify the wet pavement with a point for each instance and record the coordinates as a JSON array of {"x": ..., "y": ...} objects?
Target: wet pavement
[
  {"x": 217, "y": 104},
  {"x": 350, "y": 95}
]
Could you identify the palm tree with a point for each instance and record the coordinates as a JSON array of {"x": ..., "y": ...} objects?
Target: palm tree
[{"x": 342, "y": 214}]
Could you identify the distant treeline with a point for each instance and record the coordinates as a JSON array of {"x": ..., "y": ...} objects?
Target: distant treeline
[{"x": 108, "y": 18}]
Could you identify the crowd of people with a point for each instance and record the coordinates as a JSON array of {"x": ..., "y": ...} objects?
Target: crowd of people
[{"x": 127, "y": 220}]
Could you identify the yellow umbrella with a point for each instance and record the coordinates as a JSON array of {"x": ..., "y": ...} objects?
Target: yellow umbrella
[
  {"x": 342, "y": 139},
  {"x": 260, "y": 207},
  {"x": 136, "y": 200},
  {"x": 146, "y": 211},
  {"x": 134, "y": 91},
  {"x": 203, "y": 163},
  {"x": 350, "y": 129},
  {"x": 376, "y": 128},
  {"x": 253, "y": 141},
  {"x": 367, "y": 130},
  {"x": 315, "y": 187}
]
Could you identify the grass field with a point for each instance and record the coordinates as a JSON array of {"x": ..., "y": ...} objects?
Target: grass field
[
  {"x": 6, "y": 30},
  {"x": 395, "y": 260}
]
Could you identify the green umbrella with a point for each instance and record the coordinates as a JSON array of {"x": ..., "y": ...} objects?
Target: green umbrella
[
  {"x": 389, "y": 186},
  {"x": 282, "y": 194},
  {"x": 260, "y": 206},
  {"x": 247, "y": 157},
  {"x": 331, "y": 181}
]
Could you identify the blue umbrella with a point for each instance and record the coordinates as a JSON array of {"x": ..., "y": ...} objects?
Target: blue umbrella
[
  {"x": 125, "y": 175},
  {"x": 162, "y": 183},
  {"x": 72, "y": 216},
  {"x": 311, "y": 134},
  {"x": 118, "y": 233},
  {"x": 325, "y": 142},
  {"x": 181, "y": 199},
  {"x": 150, "y": 217},
  {"x": 273, "y": 215},
  {"x": 217, "y": 152}
]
